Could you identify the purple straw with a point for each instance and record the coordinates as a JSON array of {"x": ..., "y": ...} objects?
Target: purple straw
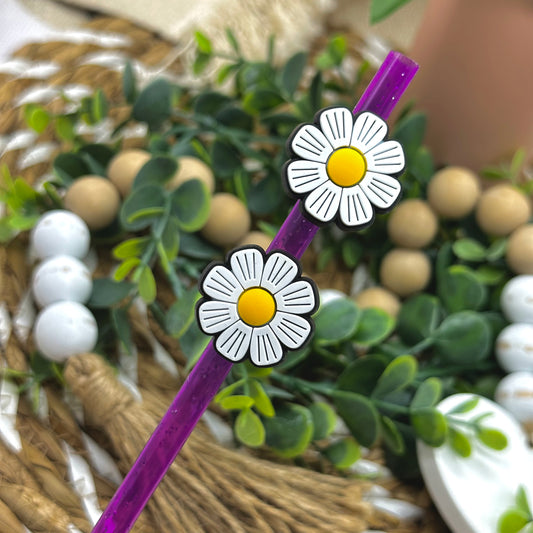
[{"x": 211, "y": 370}]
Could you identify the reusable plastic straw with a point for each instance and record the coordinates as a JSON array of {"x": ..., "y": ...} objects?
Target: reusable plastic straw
[{"x": 209, "y": 373}]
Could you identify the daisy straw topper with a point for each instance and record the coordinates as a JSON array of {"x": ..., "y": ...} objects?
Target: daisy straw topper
[
  {"x": 343, "y": 168},
  {"x": 257, "y": 305}
]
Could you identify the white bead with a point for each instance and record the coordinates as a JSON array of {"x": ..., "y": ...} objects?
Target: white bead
[
  {"x": 63, "y": 329},
  {"x": 514, "y": 348},
  {"x": 515, "y": 393},
  {"x": 60, "y": 232},
  {"x": 61, "y": 278},
  {"x": 517, "y": 299}
]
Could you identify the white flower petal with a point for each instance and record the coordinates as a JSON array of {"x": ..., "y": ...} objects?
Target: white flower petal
[
  {"x": 368, "y": 131},
  {"x": 291, "y": 330},
  {"x": 355, "y": 209},
  {"x": 247, "y": 266},
  {"x": 380, "y": 189},
  {"x": 234, "y": 342},
  {"x": 216, "y": 316},
  {"x": 310, "y": 143},
  {"x": 265, "y": 348},
  {"x": 304, "y": 176},
  {"x": 280, "y": 270},
  {"x": 323, "y": 202},
  {"x": 297, "y": 298},
  {"x": 221, "y": 284},
  {"x": 337, "y": 124},
  {"x": 386, "y": 158}
]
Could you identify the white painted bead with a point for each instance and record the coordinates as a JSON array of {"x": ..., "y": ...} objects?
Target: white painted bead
[
  {"x": 514, "y": 348},
  {"x": 515, "y": 393},
  {"x": 60, "y": 232},
  {"x": 517, "y": 299},
  {"x": 61, "y": 278},
  {"x": 63, "y": 329}
]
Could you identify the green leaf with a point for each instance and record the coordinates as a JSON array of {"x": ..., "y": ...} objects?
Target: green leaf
[
  {"x": 130, "y": 248},
  {"x": 343, "y": 453},
  {"x": 36, "y": 117},
  {"x": 324, "y": 420},
  {"x": 361, "y": 375},
  {"x": 391, "y": 436},
  {"x": 238, "y": 402},
  {"x": 99, "y": 106},
  {"x": 465, "y": 407},
  {"x": 156, "y": 171},
  {"x": 428, "y": 394},
  {"x": 234, "y": 117},
  {"x": 97, "y": 158},
  {"x": 410, "y": 131},
  {"x": 497, "y": 249},
  {"x": 521, "y": 500},
  {"x": 121, "y": 325},
  {"x": 290, "y": 431},
  {"x": 225, "y": 159},
  {"x": 64, "y": 127},
  {"x": 490, "y": 275},
  {"x": 147, "y": 286},
  {"x": 260, "y": 100},
  {"x": 459, "y": 289},
  {"x": 374, "y": 327},
  {"x": 418, "y": 318},
  {"x": 512, "y": 521},
  {"x": 351, "y": 251},
  {"x": 170, "y": 239},
  {"x": 209, "y": 103},
  {"x": 423, "y": 166},
  {"x": 469, "y": 250},
  {"x": 203, "y": 42},
  {"x": 249, "y": 429},
  {"x": 129, "y": 84},
  {"x": 190, "y": 205},
  {"x": 459, "y": 443},
  {"x": 292, "y": 72},
  {"x": 492, "y": 438},
  {"x": 200, "y": 63},
  {"x": 381, "y": 9},
  {"x": 195, "y": 247},
  {"x": 336, "y": 321},
  {"x": 359, "y": 414},
  {"x": 334, "y": 53},
  {"x": 261, "y": 400},
  {"x": 147, "y": 197},
  {"x": 67, "y": 167},
  {"x": 265, "y": 196},
  {"x": 125, "y": 268},
  {"x": 430, "y": 426},
  {"x": 107, "y": 293},
  {"x": 399, "y": 374},
  {"x": 154, "y": 103},
  {"x": 233, "y": 41},
  {"x": 227, "y": 391},
  {"x": 463, "y": 338},
  {"x": 181, "y": 313}
]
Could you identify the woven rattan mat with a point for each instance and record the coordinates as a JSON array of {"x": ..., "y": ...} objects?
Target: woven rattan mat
[{"x": 87, "y": 59}]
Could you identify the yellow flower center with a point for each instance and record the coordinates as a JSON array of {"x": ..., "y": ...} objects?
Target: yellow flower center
[
  {"x": 346, "y": 166},
  {"x": 256, "y": 306}
]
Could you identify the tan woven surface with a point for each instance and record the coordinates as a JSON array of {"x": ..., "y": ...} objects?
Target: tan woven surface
[{"x": 33, "y": 484}]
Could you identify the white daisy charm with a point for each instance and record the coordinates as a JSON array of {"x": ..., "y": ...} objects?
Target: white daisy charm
[
  {"x": 257, "y": 305},
  {"x": 343, "y": 168}
]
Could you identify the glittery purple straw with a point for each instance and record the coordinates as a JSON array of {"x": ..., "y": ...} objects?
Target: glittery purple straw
[{"x": 209, "y": 373}]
